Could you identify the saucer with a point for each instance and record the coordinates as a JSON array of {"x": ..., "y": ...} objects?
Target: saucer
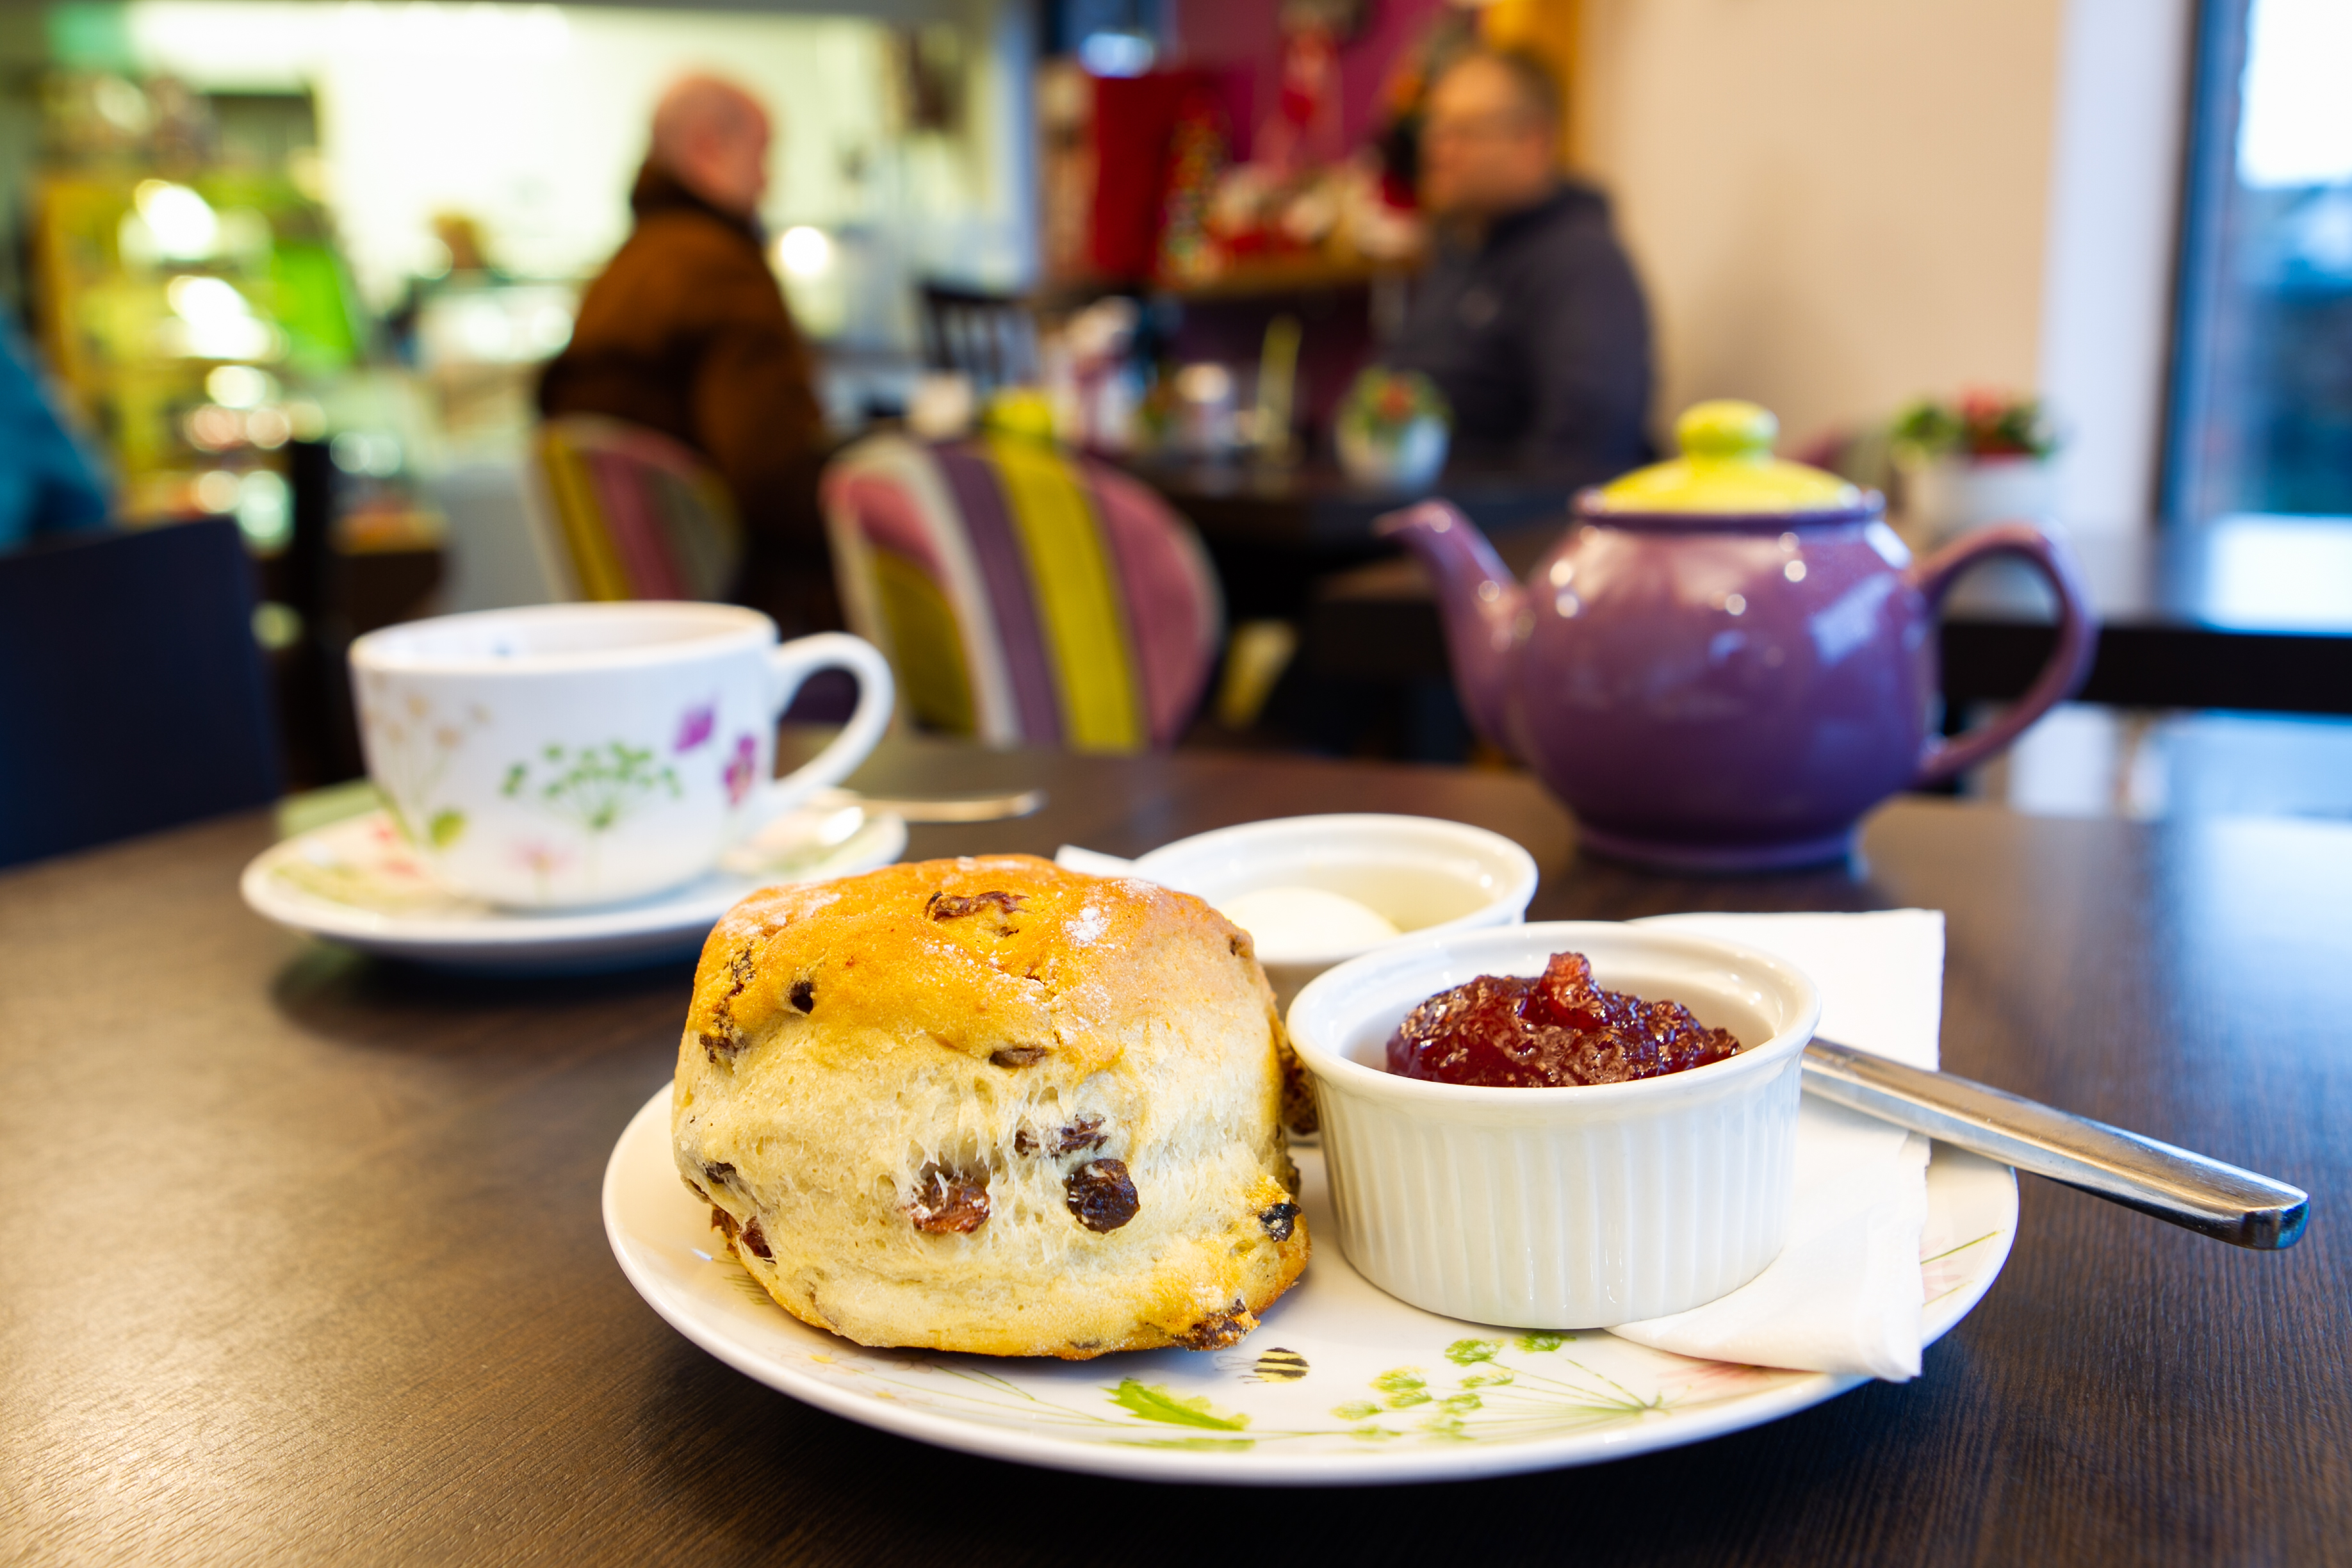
[
  {"x": 1341, "y": 1384},
  {"x": 355, "y": 882}
]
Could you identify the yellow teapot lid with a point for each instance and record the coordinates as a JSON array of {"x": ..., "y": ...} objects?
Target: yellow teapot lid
[{"x": 1727, "y": 466}]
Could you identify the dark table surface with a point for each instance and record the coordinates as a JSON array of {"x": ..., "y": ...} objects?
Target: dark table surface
[
  {"x": 302, "y": 1257},
  {"x": 2246, "y": 613}
]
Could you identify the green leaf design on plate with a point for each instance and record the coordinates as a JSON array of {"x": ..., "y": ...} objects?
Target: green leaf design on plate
[
  {"x": 446, "y": 824},
  {"x": 1465, "y": 1352},
  {"x": 1358, "y": 1410},
  {"x": 1545, "y": 1341},
  {"x": 1155, "y": 1403},
  {"x": 750, "y": 1288},
  {"x": 1404, "y": 1387},
  {"x": 1460, "y": 1403},
  {"x": 1496, "y": 1377}
]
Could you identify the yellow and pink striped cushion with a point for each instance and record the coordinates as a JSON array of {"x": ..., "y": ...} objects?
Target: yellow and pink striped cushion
[
  {"x": 1026, "y": 595},
  {"x": 636, "y": 514}
]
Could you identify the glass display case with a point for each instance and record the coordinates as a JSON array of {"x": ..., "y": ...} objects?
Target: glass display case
[{"x": 191, "y": 309}]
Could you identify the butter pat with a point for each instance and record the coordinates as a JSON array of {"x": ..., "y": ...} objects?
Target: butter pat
[{"x": 1289, "y": 922}]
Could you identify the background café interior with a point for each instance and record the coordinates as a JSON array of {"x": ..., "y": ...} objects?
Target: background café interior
[{"x": 242, "y": 231}]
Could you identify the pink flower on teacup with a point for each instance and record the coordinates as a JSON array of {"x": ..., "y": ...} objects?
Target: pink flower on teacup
[
  {"x": 742, "y": 769},
  {"x": 696, "y": 726},
  {"x": 540, "y": 859}
]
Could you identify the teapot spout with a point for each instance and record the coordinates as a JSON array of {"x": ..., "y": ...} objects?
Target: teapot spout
[{"x": 1482, "y": 605}]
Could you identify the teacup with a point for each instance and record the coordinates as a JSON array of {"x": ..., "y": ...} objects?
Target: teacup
[{"x": 573, "y": 754}]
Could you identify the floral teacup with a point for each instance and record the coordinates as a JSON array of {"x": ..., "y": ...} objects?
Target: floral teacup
[{"x": 573, "y": 754}]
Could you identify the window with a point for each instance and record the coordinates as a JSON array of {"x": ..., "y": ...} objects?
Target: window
[{"x": 2262, "y": 397}]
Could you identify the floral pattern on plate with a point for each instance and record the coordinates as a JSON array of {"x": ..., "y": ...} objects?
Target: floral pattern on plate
[
  {"x": 1342, "y": 1383},
  {"x": 1496, "y": 1391}
]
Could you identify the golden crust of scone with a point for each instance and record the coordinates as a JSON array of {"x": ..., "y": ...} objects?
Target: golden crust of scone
[{"x": 990, "y": 1105}]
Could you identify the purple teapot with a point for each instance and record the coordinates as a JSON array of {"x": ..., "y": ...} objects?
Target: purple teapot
[{"x": 1728, "y": 658}]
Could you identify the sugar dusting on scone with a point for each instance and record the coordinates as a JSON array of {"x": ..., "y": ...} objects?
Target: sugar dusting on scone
[{"x": 991, "y": 1105}]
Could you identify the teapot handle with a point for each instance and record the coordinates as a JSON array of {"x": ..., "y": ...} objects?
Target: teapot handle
[{"x": 2070, "y": 661}]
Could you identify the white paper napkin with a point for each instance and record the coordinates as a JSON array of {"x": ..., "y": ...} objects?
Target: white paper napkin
[{"x": 1845, "y": 1296}]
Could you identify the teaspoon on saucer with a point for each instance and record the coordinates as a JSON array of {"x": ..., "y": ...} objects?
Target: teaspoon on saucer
[{"x": 937, "y": 808}]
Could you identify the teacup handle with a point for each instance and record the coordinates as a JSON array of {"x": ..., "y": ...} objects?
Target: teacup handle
[
  {"x": 789, "y": 668},
  {"x": 2070, "y": 661}
]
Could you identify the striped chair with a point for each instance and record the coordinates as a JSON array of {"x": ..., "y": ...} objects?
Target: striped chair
[
  {"x": 1025, "y": 596},
  {"x": 629, "y": 513}
]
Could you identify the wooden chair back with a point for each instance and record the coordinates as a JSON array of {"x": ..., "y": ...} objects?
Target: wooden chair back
[
  {"x": 629, "y": 513},
  {"x": 990, "y": 338}
]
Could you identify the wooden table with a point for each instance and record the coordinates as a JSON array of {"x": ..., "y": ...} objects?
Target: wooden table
[{"x": 302, "y": 1257}]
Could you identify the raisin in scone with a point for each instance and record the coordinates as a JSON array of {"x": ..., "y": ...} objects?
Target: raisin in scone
[{"x": 991, "y": 1105}]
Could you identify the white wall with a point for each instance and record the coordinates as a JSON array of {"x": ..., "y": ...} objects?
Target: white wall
[
  {"x": 2107, "y": 303},
  {"x": 1842, "y": 205}
]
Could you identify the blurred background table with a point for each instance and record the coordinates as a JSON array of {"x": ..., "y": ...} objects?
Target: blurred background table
[
  {"x": 2249, "y": 613},
  {"x": 303, "y": 1258},
  {"x": 1276, "y": 532},
  {"x": 2253, "y": 614},
  {"x": 1314, "y": 507}
]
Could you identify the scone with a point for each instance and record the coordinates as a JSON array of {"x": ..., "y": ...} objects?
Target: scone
[{"x": 991, "y": 1105}]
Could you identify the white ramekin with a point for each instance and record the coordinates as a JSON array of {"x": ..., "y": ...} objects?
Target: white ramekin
[
  {"x": 1428, "y": 876},
  {"x": 1560, "y": 1208}
]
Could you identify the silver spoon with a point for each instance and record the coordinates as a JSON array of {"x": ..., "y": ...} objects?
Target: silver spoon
[
  {"x": 2203, "y": 1194},
  {"x": 937, "y": 808}
]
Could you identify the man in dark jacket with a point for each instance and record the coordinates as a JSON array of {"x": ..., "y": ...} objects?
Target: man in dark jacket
[
  {"x": 1529, "y": 319},
  {"x": 687, "y": 331}
]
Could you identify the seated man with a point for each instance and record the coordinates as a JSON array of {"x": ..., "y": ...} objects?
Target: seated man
[
  {"x": 686, "y": 332},
  {"x": 1529, "y": 319}
]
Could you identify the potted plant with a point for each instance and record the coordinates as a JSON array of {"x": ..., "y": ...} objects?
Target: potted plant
[
  {"x": 1393, "y": 429},
  {"x": 1983, "y": 460}
]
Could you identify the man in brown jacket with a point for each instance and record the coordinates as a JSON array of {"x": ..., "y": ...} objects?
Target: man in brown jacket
[{"x": 686, "y": 332}]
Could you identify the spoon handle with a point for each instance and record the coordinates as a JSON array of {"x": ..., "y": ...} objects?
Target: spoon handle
[
  {"x": 937, "y": 808},
  {"x": 2205, "y": 1196}
]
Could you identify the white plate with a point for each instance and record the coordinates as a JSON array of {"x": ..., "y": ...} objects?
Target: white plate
[
  {"x": 1342, "y": 1385},
  {"x": 355, "y": 882}
]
